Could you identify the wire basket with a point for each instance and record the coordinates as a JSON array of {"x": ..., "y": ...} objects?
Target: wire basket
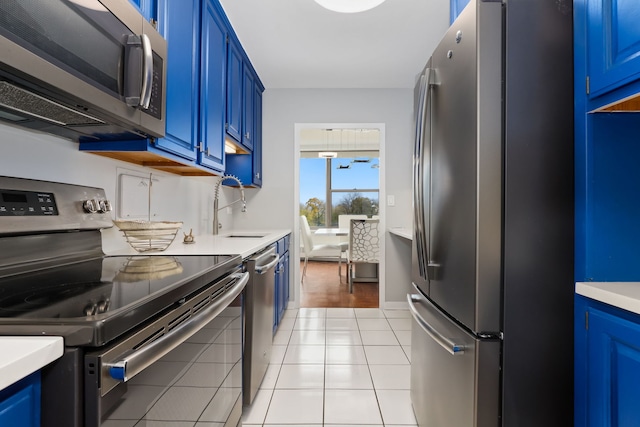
[
  {"x": 145, "y": 236},
  {"x": 152, "y": 267}
]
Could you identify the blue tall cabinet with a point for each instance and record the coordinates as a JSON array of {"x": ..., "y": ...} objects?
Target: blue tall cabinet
[{"x": 607, "y": 154}]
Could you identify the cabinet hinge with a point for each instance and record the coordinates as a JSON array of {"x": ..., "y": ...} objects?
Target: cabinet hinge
[
  {"x": 153, "y": 23},
  {"x": 586, "y": 320},
  {"x": 227, "y": 39},
  {"x": 226, "y": 126},
  {"x": 588, "y": 88}
]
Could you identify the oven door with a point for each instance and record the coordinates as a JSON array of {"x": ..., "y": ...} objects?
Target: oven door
[{"x": 184, "y": 367}]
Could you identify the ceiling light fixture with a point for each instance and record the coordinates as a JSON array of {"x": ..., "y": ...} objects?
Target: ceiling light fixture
[
  {"x": 327, "y": 154},
  {"x": 349, "y": 6}
]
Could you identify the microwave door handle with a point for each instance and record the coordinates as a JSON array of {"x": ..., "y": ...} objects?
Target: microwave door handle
[
  {"x": 147, "y": 76},
  {"x": 129, "y": 365}
]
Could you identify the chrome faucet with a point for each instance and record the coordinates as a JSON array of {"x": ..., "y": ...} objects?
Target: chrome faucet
[{"x": 216, "y": 209}]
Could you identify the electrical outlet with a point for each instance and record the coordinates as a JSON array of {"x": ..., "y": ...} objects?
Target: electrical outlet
[{"x": 391, "y": 200}]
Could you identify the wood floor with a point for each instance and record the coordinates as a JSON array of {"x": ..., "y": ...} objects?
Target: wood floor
[{"x": 322, "y": 287}]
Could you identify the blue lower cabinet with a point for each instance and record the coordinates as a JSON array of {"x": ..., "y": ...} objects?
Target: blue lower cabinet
[
  {"x": 282, "y": 281},
  {"x": 607, "y": 365},
  {"x": 20, "y": 403}
]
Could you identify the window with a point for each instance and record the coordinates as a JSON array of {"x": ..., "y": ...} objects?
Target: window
[{"x": 334, "y": 186}]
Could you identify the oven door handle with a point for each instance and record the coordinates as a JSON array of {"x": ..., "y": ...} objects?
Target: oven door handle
[{"x": 132, "y": 364}]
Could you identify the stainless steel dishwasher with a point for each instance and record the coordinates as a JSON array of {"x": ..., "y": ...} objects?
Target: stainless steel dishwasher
[{"x": 259, "y": 315}]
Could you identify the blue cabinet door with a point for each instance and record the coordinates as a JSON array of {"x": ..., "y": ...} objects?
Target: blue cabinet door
[
  {"x": 613, "y": 370},
  {"x": 234, "y": 91},
  {"x": 613, "y": 44},
  {"x": 178, "y": 23},
  {"x": 20, "y": 403},
  {"x": 282, "y": 281},
  {"x": 248, "y": 167},
  {"x": 213, "y": 50},
  {"x": 256, "y": 154},
  {"x": 247, "y": 108},
  {"x": 285, "y": 286}
]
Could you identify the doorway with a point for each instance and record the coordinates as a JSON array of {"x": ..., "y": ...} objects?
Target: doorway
[{"x": 339, "y": 170}]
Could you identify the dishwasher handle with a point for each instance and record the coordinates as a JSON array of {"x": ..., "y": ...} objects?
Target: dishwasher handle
[
  {"x": 132, "y": 364},
  {"x": 262, "y": 269},
  {"x": 446, "y": 343}
]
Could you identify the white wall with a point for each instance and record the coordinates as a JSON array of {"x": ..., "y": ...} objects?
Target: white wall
[
  {"x": 274, "y": 206},
  {"x": 28, "y": 154}
]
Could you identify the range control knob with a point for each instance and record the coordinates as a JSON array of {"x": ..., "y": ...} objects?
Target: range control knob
[
  {"x": 96, "y": 206},
  {"x": 104, "y": 206},
  {"x": 89, "y": 206}
]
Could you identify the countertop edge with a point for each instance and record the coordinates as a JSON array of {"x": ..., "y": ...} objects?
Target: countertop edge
[
  {"x": 21, "y": 356},
  {"x": 209, "y": 244},
  {"x": 406, "y": 233},
  {"x": 624, "y": 295}
]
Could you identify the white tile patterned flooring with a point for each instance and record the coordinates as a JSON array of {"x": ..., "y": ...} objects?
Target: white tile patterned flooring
[{"x": 338, "y": 367}]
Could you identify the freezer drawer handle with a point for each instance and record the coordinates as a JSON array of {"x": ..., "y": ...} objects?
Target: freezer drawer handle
[
  {"x": 132, "y": 364},
  {"x": 444, "y": 342}
]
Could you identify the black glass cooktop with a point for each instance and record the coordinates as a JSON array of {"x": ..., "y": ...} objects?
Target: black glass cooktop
[{"x": 109, "y": 291}]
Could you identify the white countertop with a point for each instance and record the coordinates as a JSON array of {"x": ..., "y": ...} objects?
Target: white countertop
[
  {"x": 21, "y": 356},
  {"x": 208, "y": 244},
  {"x": 625, "y": 295},
  {"x": 406, "y": 233}
]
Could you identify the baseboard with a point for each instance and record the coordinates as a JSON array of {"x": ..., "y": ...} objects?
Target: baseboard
[{"x": 396, "y": 305}]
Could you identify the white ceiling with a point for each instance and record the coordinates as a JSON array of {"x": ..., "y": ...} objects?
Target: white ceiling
[{"x": 299, "y": 44}]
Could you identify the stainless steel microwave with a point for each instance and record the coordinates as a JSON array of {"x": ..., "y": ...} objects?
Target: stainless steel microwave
[{"x": 82, "y": 69}]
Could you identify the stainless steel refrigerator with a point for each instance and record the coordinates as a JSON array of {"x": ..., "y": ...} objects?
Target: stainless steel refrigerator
[{"x": 492, "y": 258}]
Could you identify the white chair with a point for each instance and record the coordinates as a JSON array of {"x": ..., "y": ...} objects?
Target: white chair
[
  {"x": 310, "y": 247},
  {"x": 364, "y": 245},
  {"x": 344, "y": 222}
]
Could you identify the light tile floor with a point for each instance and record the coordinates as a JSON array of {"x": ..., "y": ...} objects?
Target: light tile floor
[{"x": 339, "y": 367}]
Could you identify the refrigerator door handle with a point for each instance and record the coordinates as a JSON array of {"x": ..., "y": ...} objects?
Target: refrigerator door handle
[
  {"x": 422, "y": 171},
  {"x": 446, "y": 343}
]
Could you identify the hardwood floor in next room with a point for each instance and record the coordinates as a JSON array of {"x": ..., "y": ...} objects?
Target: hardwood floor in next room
[{"x": 322, "y": 287}]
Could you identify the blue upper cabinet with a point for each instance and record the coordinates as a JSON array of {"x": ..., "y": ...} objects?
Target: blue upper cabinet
[
  {"x": 613, "y": 40},
  {"x": 148, "y": 8},
  {"x": 179, "y": 21},
  {"x": 248, "y": 167},
  {"x": 234, "y": 91},
  {"x": 241, "y": 82},
  {"x": 455, "y": 8},
  {"x": 212, "y": 88},
  {"x": 248, "y": 109},
  {"x": 257, "y": 140},
  {"x": 206, "y": 68}
]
